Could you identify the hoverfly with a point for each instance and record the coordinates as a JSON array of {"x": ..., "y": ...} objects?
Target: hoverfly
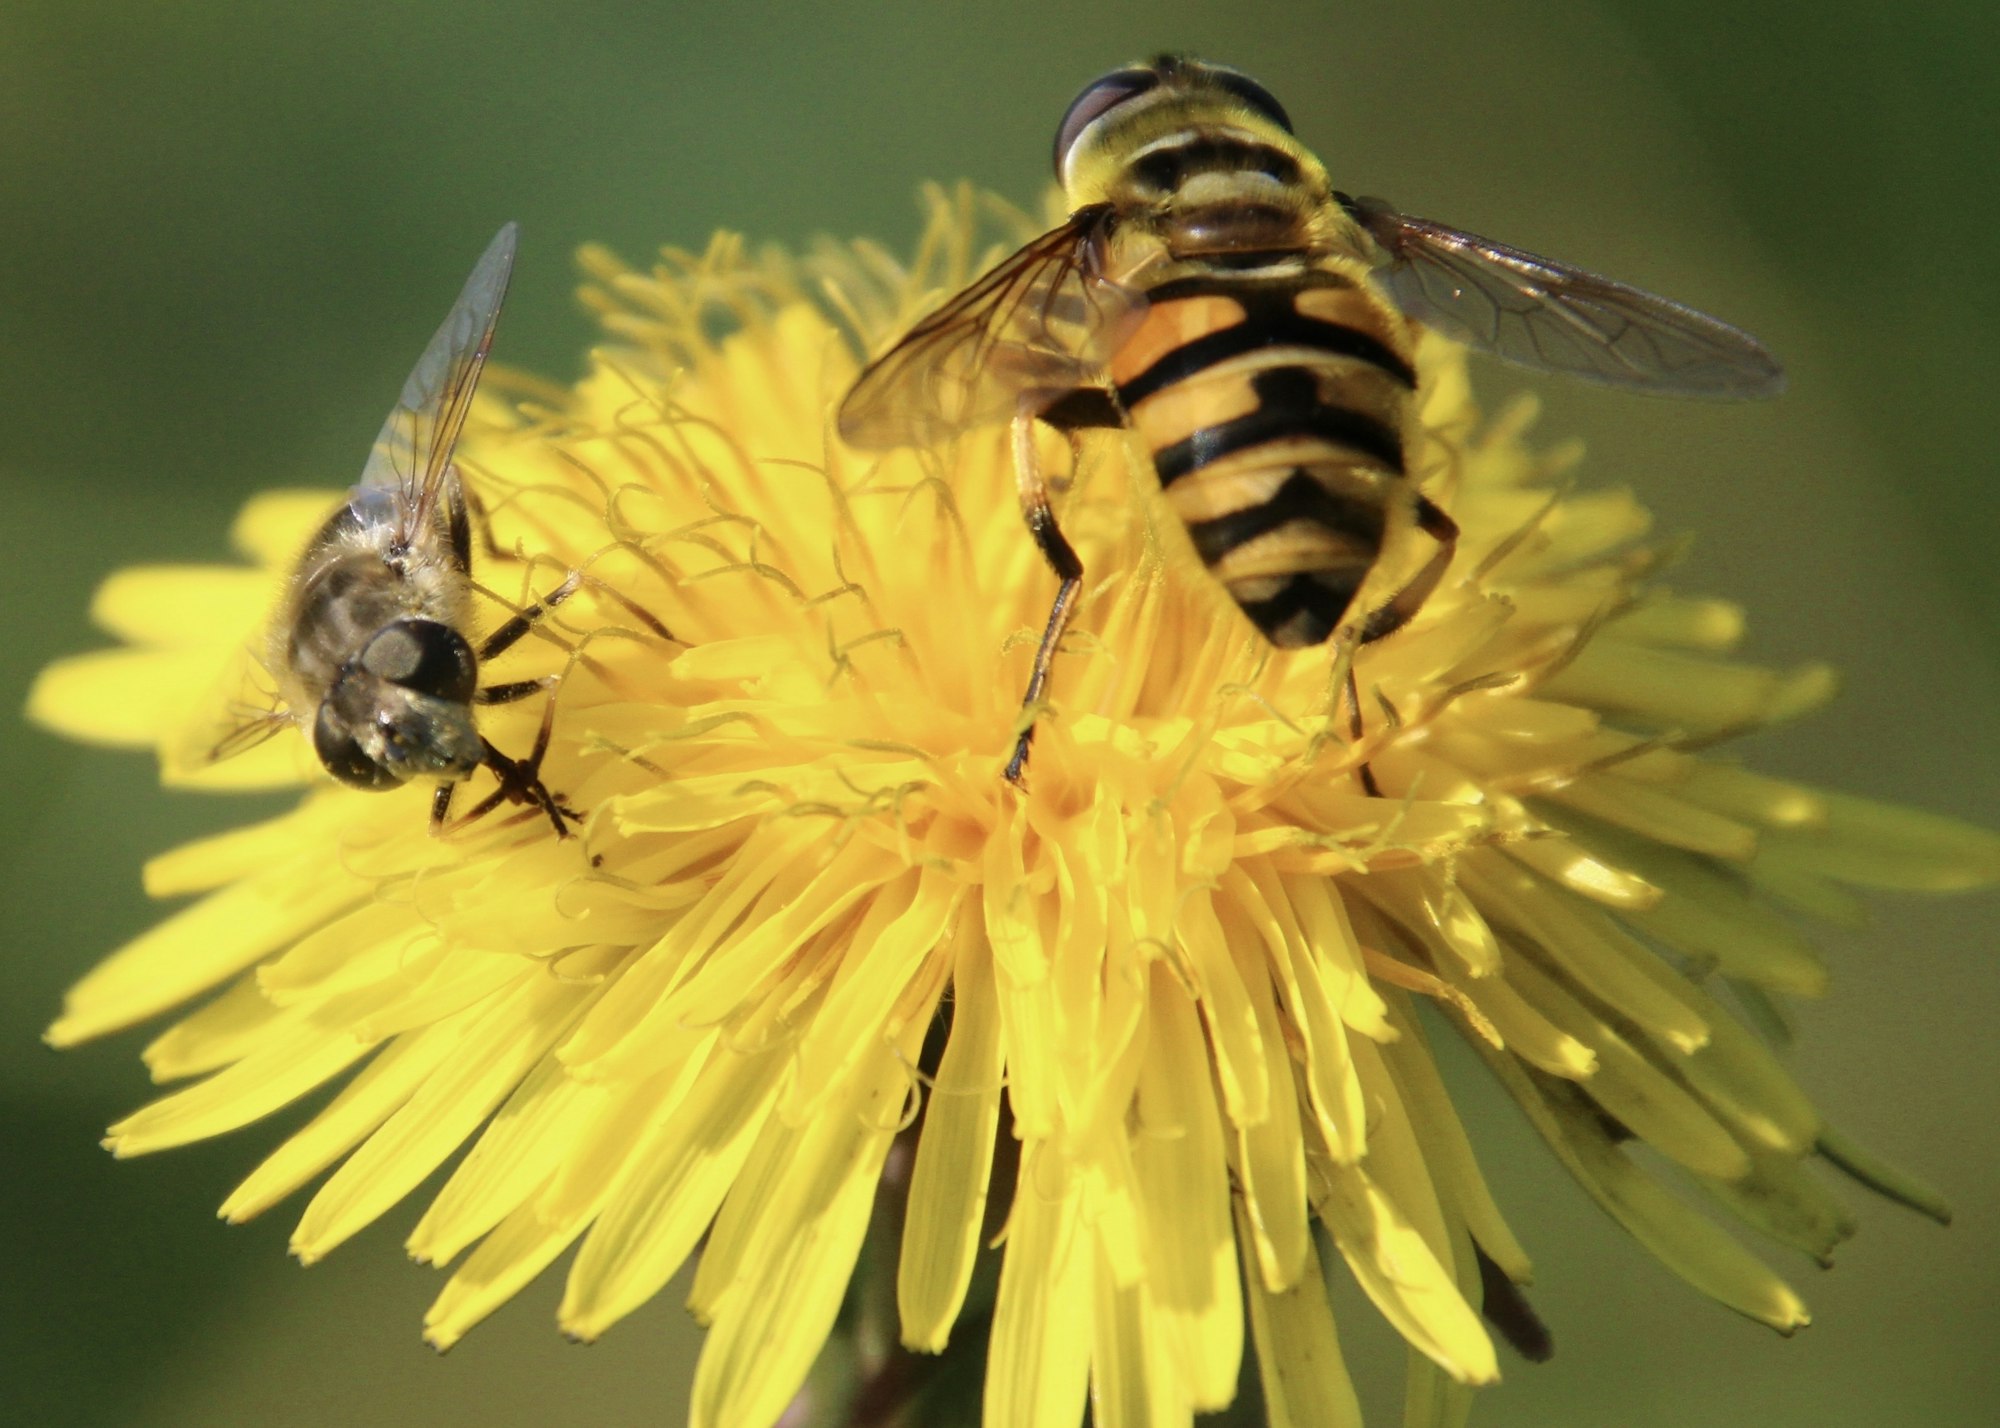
[
  {"x": 369, "y": 647},
  {"x": 1214, "y": 293}
]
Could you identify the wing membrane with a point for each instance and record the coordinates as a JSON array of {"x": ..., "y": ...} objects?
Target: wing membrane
[
  {"x": 414, "y": 449},
  {"x": 1037, "y": 326},
  {"x": 1552, "y": 317}
]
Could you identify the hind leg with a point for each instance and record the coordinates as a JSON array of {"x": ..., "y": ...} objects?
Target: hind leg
[{"x": 1399, "y": 609}]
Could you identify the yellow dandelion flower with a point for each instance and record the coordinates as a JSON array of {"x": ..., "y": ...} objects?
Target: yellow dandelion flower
[{"x": 1150, "y": 1035}]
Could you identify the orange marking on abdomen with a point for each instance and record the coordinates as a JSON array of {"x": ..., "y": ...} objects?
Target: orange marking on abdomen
[{"x": 1169, "y": 326}]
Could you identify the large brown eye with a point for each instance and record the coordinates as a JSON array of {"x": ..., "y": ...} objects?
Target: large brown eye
[
  {"x": 342, "y": 755},
  {"x": 1251, "y": 93},
  {"x": 424, "y": 656},
  {"x": 1105, "y": 94}
]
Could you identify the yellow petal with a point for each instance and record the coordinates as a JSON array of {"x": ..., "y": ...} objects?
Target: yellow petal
[
  {"x": 383, "y": 1085},
  {"x": 795, "y": 1261},
  {"x": 947, "y": 1199},
  {"x": 273, "y": 525},
  {"x": 517, "y": 1154},
  {"x": 1398, "y": 1271},
  {"x": 1298, "y": 1351},
  {"x": 496, "y": 1047},
  {"x": 1037, "y": 1363},
  {"x": 123, "y": 698},
  {"x": 174, "y": 607},
  {"x": 201, "y": 945},
  {"x": 1682, "y": 1240},
  {"x": 666, "y": 1194}
]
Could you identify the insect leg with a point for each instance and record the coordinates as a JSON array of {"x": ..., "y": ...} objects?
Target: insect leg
[
  {"x": 1367, "y": 774},
  {"x": 632, "y": 607},
  {"x": 510, "y": 633},
  {"x": 519, "y": 780},
  {"x": 508, "y": 693},
  {"x": 473, "y": 513},
  {"x": 1056, "y": 549},
  {"x": 1400, "y": 609},
  {"x": 441, "y": 808},
  {"x": 459, "y": 520}
]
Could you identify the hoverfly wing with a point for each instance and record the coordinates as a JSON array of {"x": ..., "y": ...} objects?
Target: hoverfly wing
[
  {"x": 413, "y": 452},
  {"x": 240, "y": 711},
  {"x": 1037, "y": 326},
  {"x": 1551, "y": 317}
]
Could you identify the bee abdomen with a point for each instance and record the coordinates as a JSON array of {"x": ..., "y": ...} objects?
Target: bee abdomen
[
  {"x": 1311, "y": 518},
  {"x": 1303, "y": 336},
  {"x": 1274, "y": 409},
  {"x": 1296, "y": 550},
  {"x": 1302, "y": 609},
  {"x": 1288, "y": 407}
]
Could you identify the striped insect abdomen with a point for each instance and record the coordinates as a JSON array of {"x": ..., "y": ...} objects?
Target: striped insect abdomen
[{"x": 1274, "y": 409}]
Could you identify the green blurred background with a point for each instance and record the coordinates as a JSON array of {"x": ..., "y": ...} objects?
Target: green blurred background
[{"x": 229, "y": 227}]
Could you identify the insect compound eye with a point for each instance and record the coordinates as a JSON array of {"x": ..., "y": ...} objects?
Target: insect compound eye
[
  {"x": 425, "y": 657},
  {"x": 1099, "y": 98},
  {"x": 342, "y": 755},
  {"x": 1250, "y": 92}
]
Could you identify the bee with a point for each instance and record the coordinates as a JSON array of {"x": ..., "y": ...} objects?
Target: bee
[
  {"x": 369, "y": 648},
  {"x": 1214, "y": 294}
]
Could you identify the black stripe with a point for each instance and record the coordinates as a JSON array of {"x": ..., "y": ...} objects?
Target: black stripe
[
  {"x": 1248, "y": 291},
  {"x": 1300, "y": 498},
  {"x": 1323, "y": 595},
  {"x": 1082, "y": 407},
  {"x": 1237, "y": 259},
  {"x": 1288, "y": 404},
  {"x": 1285, "y": 328},
  {"x": 1168, "y": 167}
]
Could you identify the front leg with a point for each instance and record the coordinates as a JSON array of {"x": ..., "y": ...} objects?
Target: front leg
[
  {"x": 519, "y": 780},
  {"x": 1062, "y": 559}
]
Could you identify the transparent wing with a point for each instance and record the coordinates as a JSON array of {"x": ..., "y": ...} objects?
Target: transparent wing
[
  {"x": 1038, "y": 325},
  {"x": 241, "y": 710},
  {"x": 1555, "y": 318},
  {"x": 413, "y": 452}
]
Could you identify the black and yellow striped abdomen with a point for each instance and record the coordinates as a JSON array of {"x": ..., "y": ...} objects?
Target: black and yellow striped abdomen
[{"x": 1274, "y": 408}]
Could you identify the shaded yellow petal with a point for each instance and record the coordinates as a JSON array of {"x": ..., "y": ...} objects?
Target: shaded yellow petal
[
  {"x": 381, "y": 1087},
  {"x": 795, "y": 1261},
  {"x": 200, "y": 946},
  {"x": 1399, "y": 1272},
  {"x": 1298, "y": 1352},
  {"x": 1632, "y": 1086},
  {"x": 1182, "y": 1178},
  {"x": 1037, "y": 1364},
  {"x": 497, "y": 1044},
  {"x": 947, "y": 1200},
  {"x": 1134, "y": 1378},
  {"x": 1879, "y": 845},
  {"x": 1446, "y": 1151},
  {"x": 668, "y": 1191},
  {"x": 1682, "y": 1240}
]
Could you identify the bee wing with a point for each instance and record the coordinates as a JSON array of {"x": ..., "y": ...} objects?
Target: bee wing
[
  {"x": 1554, "y": 318},
  {"x": 1037, "y": 326},
  {"x": 413, "y": 453},
  {"x": 241, "y": 710}
]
